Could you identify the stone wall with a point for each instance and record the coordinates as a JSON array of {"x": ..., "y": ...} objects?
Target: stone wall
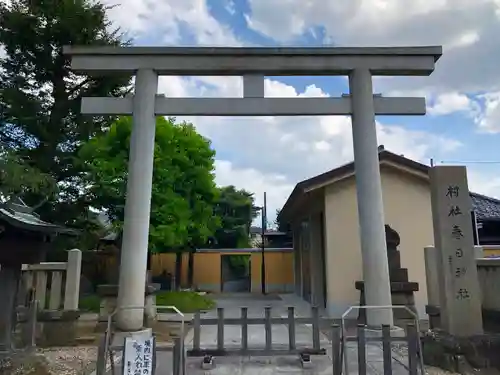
[
  {"x": 454, "y": 353},
  {"x": 489, "y": 279},
  {"x": 488, "y": 270}
]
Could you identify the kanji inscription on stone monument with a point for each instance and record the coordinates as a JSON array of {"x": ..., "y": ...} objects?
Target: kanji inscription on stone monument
[{"x": 460, "y": 304}]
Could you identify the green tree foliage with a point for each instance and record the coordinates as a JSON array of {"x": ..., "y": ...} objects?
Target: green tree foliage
[
  {"x": 281, "y": 225},
  {"x": 17, "y": 178},
  {"x": 40, "y": 97},
  {"x": 184, "y": 191},
  {"x": 285, "y": 227},
  {"x": 237, "y": 210}
]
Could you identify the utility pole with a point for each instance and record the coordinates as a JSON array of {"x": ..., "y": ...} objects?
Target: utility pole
[{"x": 263, "y": 245}]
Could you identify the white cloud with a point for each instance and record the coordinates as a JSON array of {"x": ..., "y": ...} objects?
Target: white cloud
[
  {"x": 488, "y": 119},
  {"x": 450, "y": 102},
  {"x": 274, "y": 153},
  {"x": 444, "y": 103},
  {"x": 230, "y": 7},
  {"x": 166, "y": 19},
  {"x": 483, "y": 183},
  {"x": 466, "y": 39},
  {"x": 347, "y": 21},
  {"x": 276, "y": 186},
  {"x": 467, "y": 29},
  {"x": 3, "y": 53}
]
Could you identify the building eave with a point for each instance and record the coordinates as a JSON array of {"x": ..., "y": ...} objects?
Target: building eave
[
  {"x": 386, "y": 159},
  {"x": 346, "y": 171}
]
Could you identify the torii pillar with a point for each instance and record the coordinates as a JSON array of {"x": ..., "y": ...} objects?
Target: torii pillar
[{"x": 360, "y": 64}]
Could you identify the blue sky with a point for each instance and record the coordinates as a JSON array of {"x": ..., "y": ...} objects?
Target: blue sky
[{"x": 273, "y": 154}]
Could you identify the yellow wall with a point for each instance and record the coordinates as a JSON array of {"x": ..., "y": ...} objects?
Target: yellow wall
[
  {"x": 162, "y": 262},
  {"x": 490, "y": 250},
  {"x": 279, "y": 271},
  {"x": 407, "y": 207},
  {"x": 207, "y": 269}
]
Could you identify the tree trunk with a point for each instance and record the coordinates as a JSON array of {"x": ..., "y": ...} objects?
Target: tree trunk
[
  {"x": 178, "y": 270},
  {"x": 191, "y": 267}
]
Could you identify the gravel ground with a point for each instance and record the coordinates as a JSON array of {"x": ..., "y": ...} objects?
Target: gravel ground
[
  {"x": 70, "y": 360},
  {"x": 402, "y": 350},
  {"x": 81, "y": 361},
  {"x": 437, "y": 371}
]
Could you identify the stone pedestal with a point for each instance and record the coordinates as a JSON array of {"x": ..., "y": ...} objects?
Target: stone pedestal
[
  {"x": 109, "y": 294},
  {"x": 57, "y": 328},
  {"x": 402, "y": 295},
  {"x": 402, "y": 290}
]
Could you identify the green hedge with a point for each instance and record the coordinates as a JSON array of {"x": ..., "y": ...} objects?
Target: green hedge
[{"x": 185, "y": 301}]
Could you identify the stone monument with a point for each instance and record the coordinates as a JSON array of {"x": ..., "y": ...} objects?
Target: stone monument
[
  {"x": 459, "y": 293},
  {"x": 455, "y": 304},
  {"x": 402, "y": 290}
]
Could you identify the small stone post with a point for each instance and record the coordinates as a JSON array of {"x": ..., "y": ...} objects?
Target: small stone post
[
  {"x": 432, "y": 276},
  {"x": 73, "y": 272},
  {"x": 479, "y": 252}
]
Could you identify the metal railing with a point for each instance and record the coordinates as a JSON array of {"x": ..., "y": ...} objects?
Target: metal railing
[
  {"x": 267, "y": 321},
  {"x": 412, "y": 337}
]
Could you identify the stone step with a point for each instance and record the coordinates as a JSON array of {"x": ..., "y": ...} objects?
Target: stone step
[{"x": 86, "y": 340}]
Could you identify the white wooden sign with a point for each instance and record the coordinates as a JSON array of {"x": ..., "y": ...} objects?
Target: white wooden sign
[{"x": 138, "y": 356}]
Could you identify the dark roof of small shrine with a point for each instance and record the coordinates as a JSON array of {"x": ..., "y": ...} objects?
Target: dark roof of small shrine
[
  {"x": 485, "y": 207},
  {"x": 111, "y": 237},
  {"x": 20, "y": 215}
]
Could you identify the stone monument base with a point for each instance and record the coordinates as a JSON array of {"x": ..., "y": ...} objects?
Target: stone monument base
[
  {"x": 109, "y": 294},
  {"x": 461, "y": 354}
]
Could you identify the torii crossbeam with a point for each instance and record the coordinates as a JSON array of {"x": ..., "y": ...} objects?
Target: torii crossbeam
[{"x": 253, "y": 64}]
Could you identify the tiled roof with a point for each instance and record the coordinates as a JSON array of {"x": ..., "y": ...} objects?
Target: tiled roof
[
  {"x": 18, "y": 214},
  {"x": 485, "y": 207}
]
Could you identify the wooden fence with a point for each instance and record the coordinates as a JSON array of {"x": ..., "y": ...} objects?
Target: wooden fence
[{"x": 47, "y": 279}]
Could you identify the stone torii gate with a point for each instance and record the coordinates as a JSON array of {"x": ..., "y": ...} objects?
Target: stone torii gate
[{"x": 253, "y": 64}]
